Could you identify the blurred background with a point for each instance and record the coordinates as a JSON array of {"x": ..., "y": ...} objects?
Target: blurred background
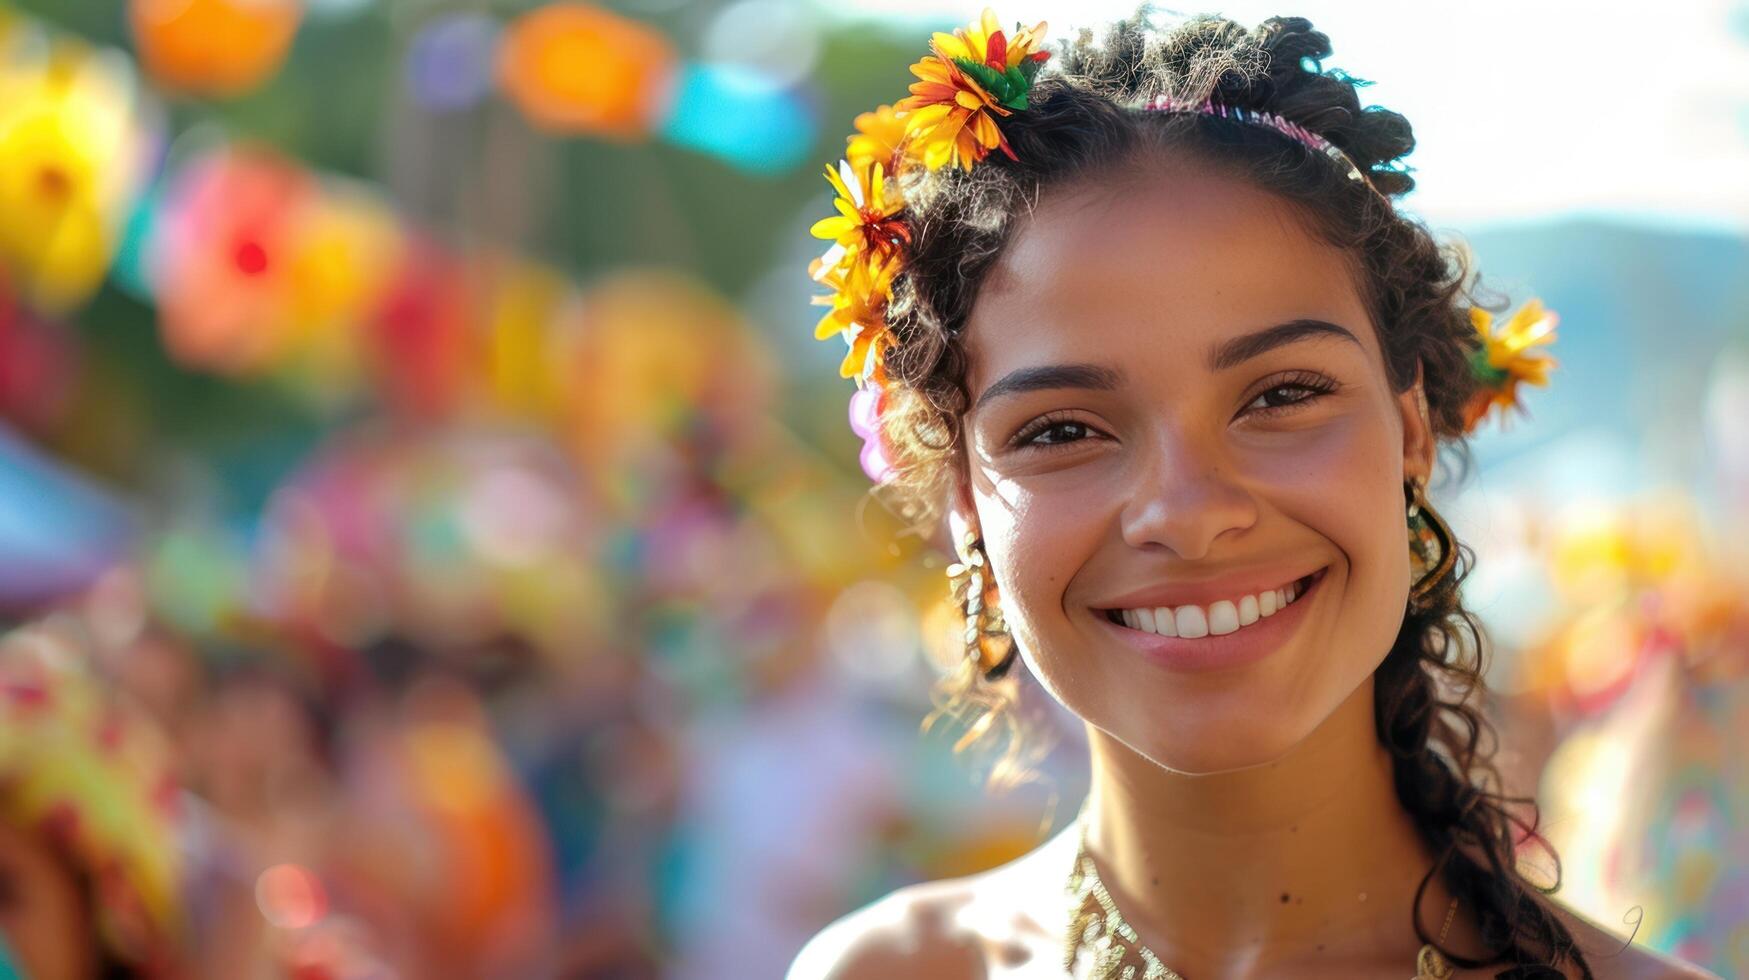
[{"x": 432, "y": 545}]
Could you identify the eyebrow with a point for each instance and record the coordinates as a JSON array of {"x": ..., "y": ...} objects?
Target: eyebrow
[
  {"x": 1051, "y": 376},
  {"x": 1225, "y": 355},
  {"x": 1241, "y": 349}
]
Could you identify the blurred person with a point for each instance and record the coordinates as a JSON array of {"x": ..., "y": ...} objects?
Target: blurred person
[
  {"x": 441, "y": 847},
  {"x": 781, "y": 801},
  {"x": 257, "y": 758},
  {"x": 90, "y": 865},
  {"x": 1145, "y": 323}
]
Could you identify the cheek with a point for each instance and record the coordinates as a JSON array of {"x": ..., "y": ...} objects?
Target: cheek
[
  {"x": 1353, "y": 496},
  {"x": 1035, "y": 548}
]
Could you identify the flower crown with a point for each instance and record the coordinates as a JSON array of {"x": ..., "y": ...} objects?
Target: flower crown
[{"x": 967, "y": 84}]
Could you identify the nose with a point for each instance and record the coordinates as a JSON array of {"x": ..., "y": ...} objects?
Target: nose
[{"x": 1182, "y": 495}]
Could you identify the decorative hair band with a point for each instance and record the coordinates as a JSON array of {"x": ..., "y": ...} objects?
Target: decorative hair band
[
  {"x": 1286, "y": 127},
  {"x": 968, "y": 83}
]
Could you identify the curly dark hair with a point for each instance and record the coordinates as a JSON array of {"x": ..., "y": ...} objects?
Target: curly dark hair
[{"x": 1081, "y": 121}]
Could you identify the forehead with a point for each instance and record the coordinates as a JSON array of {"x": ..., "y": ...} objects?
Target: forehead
[{"x": 1156, "y": 267}]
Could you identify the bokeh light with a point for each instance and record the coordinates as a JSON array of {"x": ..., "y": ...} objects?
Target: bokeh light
[
  {"x": 450, "y": 61},
  {"x": 213, "y": 47},
  {"x": 290, "y": 897},
  {"x": 741, "y": 115},
  {"x": 576, "y": 68}
]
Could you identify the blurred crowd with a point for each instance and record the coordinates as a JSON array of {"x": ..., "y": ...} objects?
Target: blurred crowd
[{"x": 378, "y": 600}]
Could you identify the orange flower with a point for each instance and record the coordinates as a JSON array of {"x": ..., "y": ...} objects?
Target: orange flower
[
  {"x": 214, "y": 47},
  {"x": 973, "y": 76},
  {"x": 1504, "y": 360},
  {"x": 867, "y": 229},
  {"x": 577, "y": 68},
  {"x": 859, "y": 302},
  {"x": 879, "y": 135}
]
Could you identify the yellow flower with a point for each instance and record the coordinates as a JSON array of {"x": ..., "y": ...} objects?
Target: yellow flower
[
  {"x": 973, "y": 76},
  {"x": 858, "y": 314},
  {"x": 72, "y": 150},
  {"x": 879, "y": 135},
  {"x": 1505, "y": 358},
  {"x": 867, "y": 229}
]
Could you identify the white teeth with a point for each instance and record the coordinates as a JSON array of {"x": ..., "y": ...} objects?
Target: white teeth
[
  {"x": 1145, "y": 620},
  {"x": 1165, "y": 622},
  {"x": 1221, "y": 617},
  {"x": 1192, "y": 622}
]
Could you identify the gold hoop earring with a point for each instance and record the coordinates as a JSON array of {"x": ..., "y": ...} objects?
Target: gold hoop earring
[
  {"x": 1432, "y": 549},
  {"x": 988, "y": 643}
]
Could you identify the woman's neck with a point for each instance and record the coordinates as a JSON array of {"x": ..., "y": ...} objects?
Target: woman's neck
[{"x": 1305, "y": 861}]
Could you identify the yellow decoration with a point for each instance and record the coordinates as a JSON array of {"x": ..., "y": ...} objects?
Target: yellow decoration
[
  {"x": 340, "y": 256},
  {"x": 653, "y": 351},
  {"x": 868, "y": 236},
  {"x": 880, "y": 134},
  {"x": 867, "y": 226},
  {"x": 71, "y": 153},
  {"x": 1505, "y": 359},
  {"x": 524, "y": 301},
  {"x": 858, "y": 300},
  {"x": 972, "y": 77}
]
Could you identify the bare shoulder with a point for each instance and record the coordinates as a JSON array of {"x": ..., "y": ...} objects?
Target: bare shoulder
[
  {"x": 1612, "y": 957},
  {"x": 951, "y": 929},
  {"x": 913, "y": 932}
]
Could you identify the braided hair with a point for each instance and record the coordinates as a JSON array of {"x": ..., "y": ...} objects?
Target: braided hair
[{"x": 1416, "y": 291}]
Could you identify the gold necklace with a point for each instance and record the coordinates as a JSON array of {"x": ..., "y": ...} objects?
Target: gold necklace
[{"x": 1118, "y": 953}]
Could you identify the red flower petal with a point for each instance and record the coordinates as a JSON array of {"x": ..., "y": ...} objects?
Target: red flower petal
[{"x": 996, "y": 55}]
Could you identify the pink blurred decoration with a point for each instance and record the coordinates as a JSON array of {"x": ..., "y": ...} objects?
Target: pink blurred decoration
[
  {"x": 420, "y": 345},
  {"x": 865, "y": 422},
  {"x": 218, "y": 262},
  {"x": 39, "y": 364}
]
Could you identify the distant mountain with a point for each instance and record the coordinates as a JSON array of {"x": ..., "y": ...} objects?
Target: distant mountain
[{"x": 1644, "y": 312}]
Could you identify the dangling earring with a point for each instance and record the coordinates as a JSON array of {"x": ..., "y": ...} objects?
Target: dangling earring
[
  {"x": 1432, "y": 550},
  {"x": 988, "y": 643}
]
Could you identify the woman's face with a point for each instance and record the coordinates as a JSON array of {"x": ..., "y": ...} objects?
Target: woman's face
[{"x": 1126, "y": 445}]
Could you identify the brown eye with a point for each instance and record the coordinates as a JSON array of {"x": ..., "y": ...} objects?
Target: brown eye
[
  {"x": 1273, "y": 393},
  {"x": 1058, "y": 433},
  {"x": 1302, "y": 389},
  {"x": 1051, "y": 432}
]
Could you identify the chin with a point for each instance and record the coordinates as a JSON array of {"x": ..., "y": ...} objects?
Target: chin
[{"x": 1233, "y": 747}]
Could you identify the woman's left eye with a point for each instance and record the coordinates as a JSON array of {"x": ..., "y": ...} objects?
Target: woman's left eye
[{"x": 1312, "y": 389}]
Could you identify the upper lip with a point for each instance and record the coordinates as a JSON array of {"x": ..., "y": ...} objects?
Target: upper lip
[{"x": 1202, "y": 593}]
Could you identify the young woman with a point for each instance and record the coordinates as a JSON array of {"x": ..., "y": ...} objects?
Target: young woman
[{"x": 1142, "y": 318}]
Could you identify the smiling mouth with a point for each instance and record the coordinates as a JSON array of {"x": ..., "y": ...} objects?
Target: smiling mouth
[{"x": 1300, "y": 585}]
